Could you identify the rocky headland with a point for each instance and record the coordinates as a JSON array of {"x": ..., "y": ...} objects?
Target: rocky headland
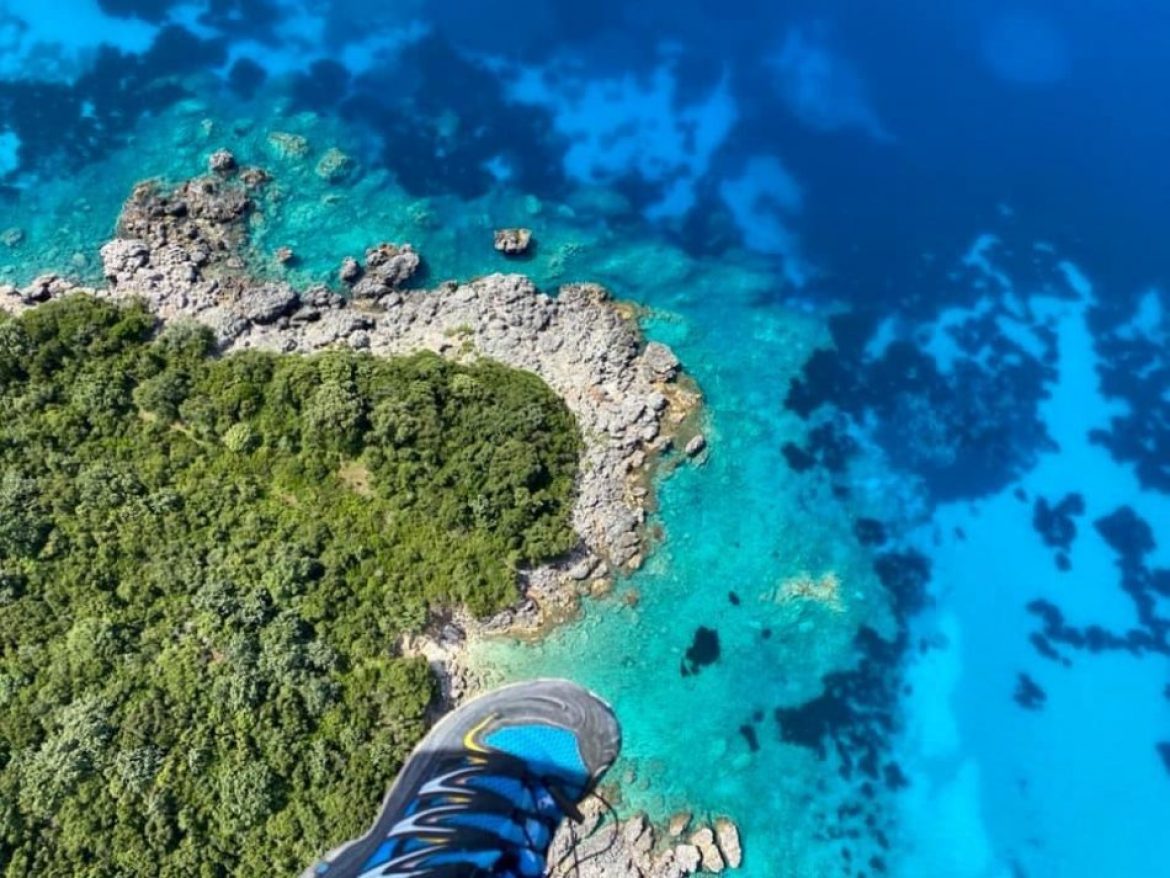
[{"x": 185, "y": 252}]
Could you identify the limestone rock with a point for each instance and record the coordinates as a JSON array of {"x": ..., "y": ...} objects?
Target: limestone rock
[
  {"x": 45, "y": 287},
  {"x": 226, "y": 324},
  {"x": 678, "y": 824},
  {"x": 350, "y": 271},
  {"x": 727, "y": 835},
  {"x": 122, "y": 257},
  {"x": 704, "y": 840},
  {"x": 638, "y": 834},
  {"x": 266, "y": 303},
  {"x": 696, "y": 445},
  {"x": 388, "y": 266},
  {"x": 688, "y": 857},
  {"x": 660, "y": 361},
  {"x": 513, "y": 242},
  {"x": 581, "y": 570},
  {"x": 222, "y": 162}
]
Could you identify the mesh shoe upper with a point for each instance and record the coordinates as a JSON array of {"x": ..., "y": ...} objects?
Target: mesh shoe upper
[{"x": 484, "y": 792}]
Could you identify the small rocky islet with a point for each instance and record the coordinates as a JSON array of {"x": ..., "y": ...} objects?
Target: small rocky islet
[{"x": 184, "y": 252}]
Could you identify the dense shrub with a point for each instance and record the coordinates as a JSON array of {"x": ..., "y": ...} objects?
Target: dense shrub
[{"x": 204, "y": 565}]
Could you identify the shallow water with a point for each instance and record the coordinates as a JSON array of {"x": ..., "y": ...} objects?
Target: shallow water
[{"x": 963, "y": 208}]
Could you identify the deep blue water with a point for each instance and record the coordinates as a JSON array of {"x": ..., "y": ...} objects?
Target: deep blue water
[{"x": 916, "y": 255}]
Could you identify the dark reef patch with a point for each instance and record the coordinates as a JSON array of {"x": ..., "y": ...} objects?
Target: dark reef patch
[
  {"x": 62, "y": 127},
  {"x": 798, "y": 459},
  {"x": 869, "y": 532},
  {"x": 154, "y": 11},
  {"x": 852, "y": 717},
  {"x": 703, "y": 651},
  {"x": 1134, "y": 368},
  {"x": 1028, "y": 693},
  {"x": 251, "y": 19},
  {"x": 246, "y": 77},
  {"x": 1164, "y": 752},
  {"x": 967, "y": 431},
  {"x": 750, "y": 736},
  {"x": 851, "y": 722},
  {"x": 1057, "y": 527},
  {"x": 434, "y": 82},
  {"x": 1056, "y": 523},
  {"x": 850, "y": 725},
  {"x": 1127, "y": 534},
  {"x": 905, "y": 575},
  {"x": 1040, "y": 642},
  {"x": 325, "y": 83},
  {"x": 894, "y": 777},
  {"x": 1132, "y": 538}
]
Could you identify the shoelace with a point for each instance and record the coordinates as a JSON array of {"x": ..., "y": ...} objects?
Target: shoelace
[{"x": 487, "y": 815}]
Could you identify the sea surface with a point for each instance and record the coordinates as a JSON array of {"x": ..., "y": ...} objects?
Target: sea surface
[{"x": 911, "y": 614}]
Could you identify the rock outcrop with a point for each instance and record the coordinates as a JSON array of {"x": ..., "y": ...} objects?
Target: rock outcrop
[
  {"x": 635, "y": 848},
  {"x": 513, "y": 242},
  {"x": 727, "y": 836}
]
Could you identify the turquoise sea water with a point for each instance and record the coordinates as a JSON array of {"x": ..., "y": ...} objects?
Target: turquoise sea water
[{"x": 933, "y": 201}]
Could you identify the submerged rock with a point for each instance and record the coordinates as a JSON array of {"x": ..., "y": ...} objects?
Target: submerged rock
[
  {"x": 288, "y": 146},
  {"x": 335, "y": 166},
  {"x": 696, "y": 445},
  {"x": 12, "y": 237},
  {"x": 254, "y": 177}
]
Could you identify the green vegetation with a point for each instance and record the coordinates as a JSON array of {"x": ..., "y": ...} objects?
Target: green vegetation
[{"x": 204, "y": 565}]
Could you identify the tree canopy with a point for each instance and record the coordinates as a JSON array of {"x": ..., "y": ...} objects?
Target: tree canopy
[{"x": 205, "y": 563}]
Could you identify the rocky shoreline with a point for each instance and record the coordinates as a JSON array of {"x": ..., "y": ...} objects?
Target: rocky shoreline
[{"x": 183, "y": 251}]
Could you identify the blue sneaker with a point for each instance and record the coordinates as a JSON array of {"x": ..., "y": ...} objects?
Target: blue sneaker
[{"x": 485, "y": 790}]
